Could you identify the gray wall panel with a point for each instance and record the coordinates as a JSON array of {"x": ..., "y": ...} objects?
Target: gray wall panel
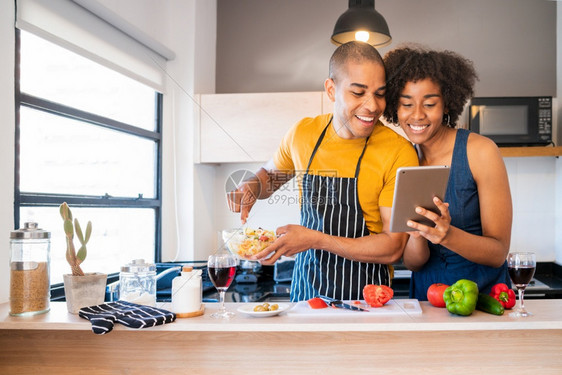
[{"x": 284, "y": 45}]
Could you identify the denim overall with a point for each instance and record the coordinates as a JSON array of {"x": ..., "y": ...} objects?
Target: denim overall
[{"x": 445, "y": 266}]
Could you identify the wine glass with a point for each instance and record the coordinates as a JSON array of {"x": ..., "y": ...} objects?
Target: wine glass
[
  {"x": 521, "y": 267},
  {"x": 221, "y": 268}
]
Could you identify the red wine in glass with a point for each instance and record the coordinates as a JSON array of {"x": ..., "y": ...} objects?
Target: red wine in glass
[
  {"x": 521, "y": 268},
  {"x": 222, "y": 277},
  {"x": 521, "y": 276},
  {"x": 221, "y": 268}
]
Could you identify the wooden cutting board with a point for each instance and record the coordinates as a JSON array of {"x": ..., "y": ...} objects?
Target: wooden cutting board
[{"x": 393, "y": 307}]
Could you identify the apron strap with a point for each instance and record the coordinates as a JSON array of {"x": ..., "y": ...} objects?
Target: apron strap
[
  {"x": 361, "y": 157},
  {"x": 318, "y": 142}
]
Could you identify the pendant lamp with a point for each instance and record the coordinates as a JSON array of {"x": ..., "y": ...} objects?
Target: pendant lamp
[{"x": 362, "y": 22}]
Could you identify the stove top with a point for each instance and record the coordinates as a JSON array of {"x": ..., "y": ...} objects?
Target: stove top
[{"x": 535, "y": 284}]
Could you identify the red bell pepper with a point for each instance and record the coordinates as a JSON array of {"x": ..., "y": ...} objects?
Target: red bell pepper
[{"x": 504, "y": 294}]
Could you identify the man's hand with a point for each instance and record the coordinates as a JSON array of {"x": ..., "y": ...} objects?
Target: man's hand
[
  {"x": 291, "y": 239},
  {"x": 243, "y": 199},
  {"x": 260, "y": 186}
]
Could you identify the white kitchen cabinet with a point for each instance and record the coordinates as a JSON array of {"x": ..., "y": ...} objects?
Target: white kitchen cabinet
[
  {"x": 238, "y": 128},
  {"x": 327, "y": 104}
]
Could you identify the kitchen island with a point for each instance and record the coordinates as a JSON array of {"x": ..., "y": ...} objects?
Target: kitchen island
[{"x": 432, "y": 342}]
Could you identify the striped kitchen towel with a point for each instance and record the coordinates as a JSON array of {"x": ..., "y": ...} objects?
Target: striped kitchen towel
[{"x": 104, "y": 316}]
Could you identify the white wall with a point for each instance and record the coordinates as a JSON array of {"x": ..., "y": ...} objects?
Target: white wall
[
  {"x": 533, "y": 188},
  {"x": 558, "y": 186},
  {"x": 558, "y": 205},
  {"x": 188, "y": 27},
  {"x": 6, "y": 142}
]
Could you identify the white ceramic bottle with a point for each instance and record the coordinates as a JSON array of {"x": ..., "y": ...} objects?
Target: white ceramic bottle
[{"x": 187, "y": 291}]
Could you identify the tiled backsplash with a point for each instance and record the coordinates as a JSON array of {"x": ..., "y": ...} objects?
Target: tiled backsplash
[{"x": 535, "y": 189}]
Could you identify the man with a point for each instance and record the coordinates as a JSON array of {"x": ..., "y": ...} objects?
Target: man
[{"x": 346, "y": 165}]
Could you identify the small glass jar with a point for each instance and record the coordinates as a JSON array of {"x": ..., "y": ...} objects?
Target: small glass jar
[
  {"x": 30, "y": 263},
  {"x": 137, "y": 283}
]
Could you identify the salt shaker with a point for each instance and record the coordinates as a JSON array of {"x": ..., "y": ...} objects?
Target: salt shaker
[
  {"x": 29, "y": 270},
  {"x": 187, "y": 291}
]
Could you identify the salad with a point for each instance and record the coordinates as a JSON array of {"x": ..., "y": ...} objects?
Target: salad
[{"x": 249, "y": 242}]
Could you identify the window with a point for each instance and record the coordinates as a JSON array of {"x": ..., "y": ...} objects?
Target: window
[{"x": 89, "y": 136}]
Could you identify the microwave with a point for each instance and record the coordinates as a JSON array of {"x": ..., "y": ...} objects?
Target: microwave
[{"x": 512, "y": 121}]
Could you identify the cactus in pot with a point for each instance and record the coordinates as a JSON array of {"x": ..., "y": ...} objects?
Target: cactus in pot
[{"x": 70, "y": 227}]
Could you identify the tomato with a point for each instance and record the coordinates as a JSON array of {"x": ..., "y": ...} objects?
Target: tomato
[
  {"x": 377, "y": 295},
  {"x": 317, "y": 303},
  {"x": 435, "y": 294}
]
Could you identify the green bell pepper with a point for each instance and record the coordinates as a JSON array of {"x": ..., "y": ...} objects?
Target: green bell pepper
[{"x": 461, "y": 297}]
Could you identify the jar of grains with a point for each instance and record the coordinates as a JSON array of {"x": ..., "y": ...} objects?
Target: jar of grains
[{"x": 29, "y": 270}]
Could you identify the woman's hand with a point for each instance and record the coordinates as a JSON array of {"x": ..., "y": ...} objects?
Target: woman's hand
[
  {"x": 442, "y": 223},
  {"x": 291, "y": 239}
]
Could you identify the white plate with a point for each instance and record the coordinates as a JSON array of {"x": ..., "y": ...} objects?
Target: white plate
[{"x": 249, "y": 310}]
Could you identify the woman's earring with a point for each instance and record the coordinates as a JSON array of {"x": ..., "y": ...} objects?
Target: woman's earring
[{"x": 447, "y": 119}]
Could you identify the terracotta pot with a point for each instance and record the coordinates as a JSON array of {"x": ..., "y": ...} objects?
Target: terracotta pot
[{"x": 82, "y": 291}]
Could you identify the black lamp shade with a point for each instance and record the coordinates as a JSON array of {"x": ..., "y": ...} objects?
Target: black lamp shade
[{"x": 362, "y": 16}]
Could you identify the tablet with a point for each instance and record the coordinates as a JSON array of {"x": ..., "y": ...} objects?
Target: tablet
[{"x": 416, "y": 186}]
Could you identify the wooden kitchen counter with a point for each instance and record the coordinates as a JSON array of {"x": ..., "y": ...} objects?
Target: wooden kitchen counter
[{"x": 434, "y": 342}]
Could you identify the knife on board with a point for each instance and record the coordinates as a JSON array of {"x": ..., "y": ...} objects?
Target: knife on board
[{"x": 340, "y": 304}]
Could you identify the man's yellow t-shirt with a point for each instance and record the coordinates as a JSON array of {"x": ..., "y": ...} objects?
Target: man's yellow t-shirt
[{"x": 385, "y": 153}]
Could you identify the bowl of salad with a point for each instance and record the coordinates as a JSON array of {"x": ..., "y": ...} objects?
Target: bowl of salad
[{"x": 247, "y": 242}]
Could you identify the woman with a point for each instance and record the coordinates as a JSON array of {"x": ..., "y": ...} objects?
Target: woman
[{"x": 426, "y": 93}]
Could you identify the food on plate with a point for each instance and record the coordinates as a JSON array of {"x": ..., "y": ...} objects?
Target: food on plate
[
  {"x": 461, "y": 297},
  {"x": 435, "y": 294},
  {"x": 489, "y": 304},
  {"x": 377, "y": 295},
  {"x": 249, "y": 242},
  {"x": 504, "y": 294},
  {"x": 317, "y": 303},
  {"x": 266, "y": 307}
]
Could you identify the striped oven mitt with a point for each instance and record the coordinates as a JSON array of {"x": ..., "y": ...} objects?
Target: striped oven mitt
[{"x": 104, "y": 316}]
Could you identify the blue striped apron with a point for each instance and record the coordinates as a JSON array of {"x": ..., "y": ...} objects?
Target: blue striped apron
[{"x": 331, "y": 205}]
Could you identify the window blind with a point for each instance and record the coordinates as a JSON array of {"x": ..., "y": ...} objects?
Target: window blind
[{"x": 74, "y": 27}]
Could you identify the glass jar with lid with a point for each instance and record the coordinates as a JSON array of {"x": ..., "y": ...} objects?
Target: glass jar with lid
[
  {"x": 137, "y": 283},
  {"x": 30, "y": 270}
]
